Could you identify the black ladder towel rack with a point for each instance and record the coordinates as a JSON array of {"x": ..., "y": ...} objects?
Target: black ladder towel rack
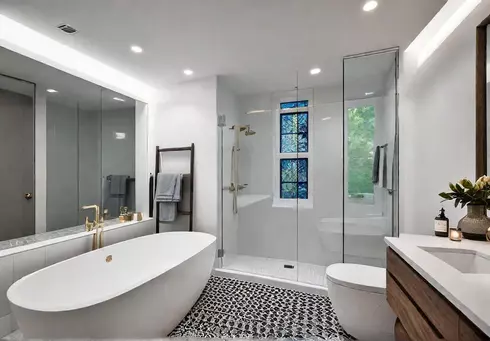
[{"x": 190, "y": 213}]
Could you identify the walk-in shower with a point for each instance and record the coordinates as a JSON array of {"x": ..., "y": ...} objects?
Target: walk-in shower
[{"x": 315, "y": 181}]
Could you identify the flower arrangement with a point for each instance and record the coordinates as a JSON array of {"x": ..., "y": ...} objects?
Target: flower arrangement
[{"x": 464, "y": 192}]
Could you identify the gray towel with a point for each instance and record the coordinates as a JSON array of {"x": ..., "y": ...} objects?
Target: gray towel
[
  {"x": 376, "y": 165},
  {"x": 384, "y": 183},
  {"x": 118, "y": 184},
  {"x": 168, "y": 195}
]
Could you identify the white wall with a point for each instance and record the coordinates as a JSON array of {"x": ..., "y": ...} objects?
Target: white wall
[
  {"x": 189, "y": 116},
  {"x": 437, "y": 131}
]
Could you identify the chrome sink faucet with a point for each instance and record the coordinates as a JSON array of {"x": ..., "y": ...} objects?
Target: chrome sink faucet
[{"x": 97, "y": 224}]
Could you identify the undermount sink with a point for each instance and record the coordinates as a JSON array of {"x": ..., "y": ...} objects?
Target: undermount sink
[{"x": 465, "y": 261}]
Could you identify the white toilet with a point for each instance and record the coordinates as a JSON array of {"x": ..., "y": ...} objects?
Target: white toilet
[{"x": 358, "y": 297}]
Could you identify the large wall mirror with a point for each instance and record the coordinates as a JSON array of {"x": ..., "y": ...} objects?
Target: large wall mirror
[
  {"x": 65, "y": 143},
  {"x": 482, "y": 96}
]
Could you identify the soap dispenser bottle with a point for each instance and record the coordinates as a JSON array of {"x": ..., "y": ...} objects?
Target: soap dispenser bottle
[{"x": 441, "y": 225}]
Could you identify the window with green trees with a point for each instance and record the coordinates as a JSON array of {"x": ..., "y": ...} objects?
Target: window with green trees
[{"x": 360, "y": 144}]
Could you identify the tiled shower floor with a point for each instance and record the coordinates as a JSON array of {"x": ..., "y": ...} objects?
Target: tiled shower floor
[
  {"x": 272, "y": 267},
  {"x": 230, "y": 308}
]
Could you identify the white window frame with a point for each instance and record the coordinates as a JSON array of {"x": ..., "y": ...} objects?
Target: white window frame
[{"x": 277, "y": 155}]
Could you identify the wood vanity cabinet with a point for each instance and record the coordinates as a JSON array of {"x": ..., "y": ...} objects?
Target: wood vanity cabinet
[{"x": 423, "y": 314}]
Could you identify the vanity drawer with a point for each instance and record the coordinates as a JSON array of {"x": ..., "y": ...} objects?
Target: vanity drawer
[
  {"x": 414, "y": 323},
  {"x": 437, "y": 310}
]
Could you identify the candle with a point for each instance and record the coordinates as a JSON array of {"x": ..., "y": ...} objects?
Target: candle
[{"x": 455, "y": 235}]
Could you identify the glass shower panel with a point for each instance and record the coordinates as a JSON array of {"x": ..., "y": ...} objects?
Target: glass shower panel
[
  {"x": 370, "y": 156},
  {"x": 259, "y": 176},
  {"x": 320, "y": 214}
]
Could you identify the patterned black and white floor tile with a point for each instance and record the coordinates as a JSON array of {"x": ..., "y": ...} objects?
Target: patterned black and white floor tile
[{"x": 230, "y": 308}]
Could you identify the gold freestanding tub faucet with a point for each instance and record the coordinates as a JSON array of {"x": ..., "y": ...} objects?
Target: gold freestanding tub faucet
[{"x": 97, "y": 241}]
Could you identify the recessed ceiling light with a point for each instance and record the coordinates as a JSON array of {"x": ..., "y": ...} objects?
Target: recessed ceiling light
[
  {"x": 136, "y": 49},
  {"x": 52, "y": 90},
  {"x": 315, "y": 71},
  {"x": 119, "y": 136},
  {"x": 119, "y": 99},
  {"x": 370, "y": 6},
  {"x": 188, "y": 72},
  {"x": 369, "y": 93}
]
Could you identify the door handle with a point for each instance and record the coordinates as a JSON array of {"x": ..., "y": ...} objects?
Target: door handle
[{"x": 28, "y": 196}]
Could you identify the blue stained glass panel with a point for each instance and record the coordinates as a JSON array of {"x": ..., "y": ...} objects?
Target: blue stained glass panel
[
  {"x": 302, "y": 190},
  {"x": 289, "y": 170},
  {"x": 302, "y": 119},
  {"x": 295, "y": 104},
  {"x": 302, "y": 170},
  {"x": 289, "y": 143},
  {"x": 294, "y": 178},
  {"x": 289, "y": 124},
  {"x": 289, "y": 191},
  {"x": 302, "y": 143}
]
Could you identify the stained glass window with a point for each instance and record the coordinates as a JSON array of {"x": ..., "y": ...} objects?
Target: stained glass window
[
  {"x": 294, "y": 139},
  {"x": 294, "y": 178},
  {"x": 294, "y": 132}
]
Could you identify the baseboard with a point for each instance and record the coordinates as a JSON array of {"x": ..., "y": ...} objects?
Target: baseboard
[{"x": 276, "y": 282}]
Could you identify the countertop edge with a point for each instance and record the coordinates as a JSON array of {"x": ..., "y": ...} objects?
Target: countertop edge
[{"x": 28, "y": 247}]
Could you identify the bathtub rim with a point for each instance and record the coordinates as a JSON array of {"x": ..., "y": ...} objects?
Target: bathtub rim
[{"x": 114, "y": 294}]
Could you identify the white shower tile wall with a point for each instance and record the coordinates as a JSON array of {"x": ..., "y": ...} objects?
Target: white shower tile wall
[{"x": 18, "y": 265}]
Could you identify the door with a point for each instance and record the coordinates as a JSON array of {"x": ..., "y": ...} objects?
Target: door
[{"x": 16, "y": 158}]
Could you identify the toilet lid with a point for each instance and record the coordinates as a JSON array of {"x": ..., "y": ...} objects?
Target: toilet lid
[{"x": 357, "y": 276}]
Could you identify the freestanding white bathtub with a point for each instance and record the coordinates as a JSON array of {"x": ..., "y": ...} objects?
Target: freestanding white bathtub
[{"x": 140, "y": 288}]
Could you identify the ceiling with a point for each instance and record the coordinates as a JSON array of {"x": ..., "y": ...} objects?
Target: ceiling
[
  {"x": 256, "y": 45},
  {"x": 72, "y": 91}
]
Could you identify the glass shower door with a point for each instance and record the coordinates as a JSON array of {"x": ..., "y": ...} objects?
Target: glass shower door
[
  {"x": 258, "y": 229},
  {"x": 370, "y": 153}
]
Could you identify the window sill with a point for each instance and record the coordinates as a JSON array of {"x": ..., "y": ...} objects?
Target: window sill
[{"x": 292, "y": 203}]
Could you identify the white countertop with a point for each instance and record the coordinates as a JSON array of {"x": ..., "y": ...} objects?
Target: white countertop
[{"x": 469, "y": 293}]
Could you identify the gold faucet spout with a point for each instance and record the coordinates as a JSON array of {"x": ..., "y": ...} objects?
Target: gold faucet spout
[{"x": 89, "y": 226}]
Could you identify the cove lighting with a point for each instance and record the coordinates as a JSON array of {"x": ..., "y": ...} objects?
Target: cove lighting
[
  {"x": 51, "y": 90},
  {"x": 136, "y": 49},
  {"x": 315, "y": 71},
  {"x": 24, "y": 40},
  {"x": 370, "y": 6},
  {"x": 426, "y": 49}
]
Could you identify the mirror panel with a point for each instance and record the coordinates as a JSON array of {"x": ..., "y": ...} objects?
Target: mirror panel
[
  {"x": 17, "y": 157},
  {"x": 118, "y": 150},
  {"x": 85, "y": 150}
]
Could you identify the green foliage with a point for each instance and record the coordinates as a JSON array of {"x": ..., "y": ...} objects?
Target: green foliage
[
  {"x": 360, "y": 149},
  {"x": 464, "y": 192}
]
